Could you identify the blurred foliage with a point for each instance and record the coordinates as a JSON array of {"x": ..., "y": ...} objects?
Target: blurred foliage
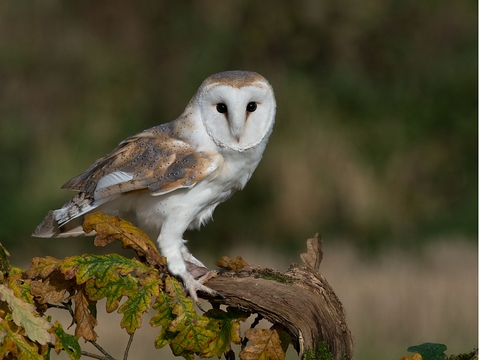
[{"x": 376, "y": 133}]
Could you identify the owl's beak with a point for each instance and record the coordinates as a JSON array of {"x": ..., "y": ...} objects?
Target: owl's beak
[{"x": 237, "y": 124}]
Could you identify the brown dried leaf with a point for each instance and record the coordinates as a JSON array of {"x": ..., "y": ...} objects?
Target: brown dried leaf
[
  {"x": 284, "y": 336},
  {"x": 314, "y": 255},
  {"x": 83, "y": 318},
  {"x": 53, "y": 288},
  {"x": 44, "y": 292},
  {"x": 43, "y": 267},
  {"x": 226, "y": 263},
  {"x": 266, "y": 345}
]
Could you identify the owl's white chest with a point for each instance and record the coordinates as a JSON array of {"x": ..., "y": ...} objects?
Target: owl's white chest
[{"x": 187, "y": 208}]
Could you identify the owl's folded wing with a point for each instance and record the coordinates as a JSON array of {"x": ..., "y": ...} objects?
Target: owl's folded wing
[{"x": 153, "y": 160}]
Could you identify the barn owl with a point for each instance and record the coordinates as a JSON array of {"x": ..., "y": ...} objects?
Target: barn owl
[{"x": 170, "y": 178}]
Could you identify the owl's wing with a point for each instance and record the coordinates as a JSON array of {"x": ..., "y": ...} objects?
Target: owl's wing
[{"x": 153, "y": 159}]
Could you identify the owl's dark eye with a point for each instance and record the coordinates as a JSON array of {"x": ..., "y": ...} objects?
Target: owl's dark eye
[
  {"x": 222, "y": 108},
  {"x": 252, "y": 106}
]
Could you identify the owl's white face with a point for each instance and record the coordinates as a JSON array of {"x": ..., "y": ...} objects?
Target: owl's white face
[{"x": 238, "y": 116}]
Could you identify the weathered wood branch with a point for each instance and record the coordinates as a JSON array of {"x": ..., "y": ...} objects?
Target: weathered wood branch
[{"x": 300, "y": 300}]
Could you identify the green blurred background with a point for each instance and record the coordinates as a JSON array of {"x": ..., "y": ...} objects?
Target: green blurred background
[{"x": 375, "y": 144}]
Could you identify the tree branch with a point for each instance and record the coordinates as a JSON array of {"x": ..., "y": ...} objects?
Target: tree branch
[{"x": 300, "y": 300}]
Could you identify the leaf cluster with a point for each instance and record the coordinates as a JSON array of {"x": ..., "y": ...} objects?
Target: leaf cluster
[
  {"x": 24, "y": 332},
  {"x": 130, "y": 287},
  {"x": 133, "y": 287}
]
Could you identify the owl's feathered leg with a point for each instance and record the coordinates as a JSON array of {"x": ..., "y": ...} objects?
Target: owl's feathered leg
[
  {"x": 194, "y": 266},
  {"x": 199, "y": 271},
  {"x": 178, "y": 257}
]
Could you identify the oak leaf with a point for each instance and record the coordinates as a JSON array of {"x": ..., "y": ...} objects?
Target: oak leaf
[
  {"x": 66, "y": 342},
  {"x": 100, "y": 267},
  {"x": 24, "y": 315},
  {"x": 43, "y": 267},
  {"x": 15, "y": 344},
  {"x": 285, "y": 338},
  {"x": 138, "y": 303},
  {"x": 83, "y": 317},
  {"x": 110, "y": 228},
  {"x": 164, "y": 307},
  {"x": 192, "y": 335},
  {"x": 20, "y": 286},
  {"x": 415, "y": 356},
  {"x": 226, "y": 263},
  {"x": 117, "y": 287},
  {"x": 266, "y": 345},
  {"x": 4, "y": 262},
  {"x": 226, "y": 329},
  {"x": 44, "y": 292}
]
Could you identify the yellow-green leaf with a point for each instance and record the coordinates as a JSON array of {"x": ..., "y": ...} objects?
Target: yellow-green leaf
[
  {"x": 226, "y": 327},
  {"x": 164, "y": 317},
  {"x": 138, "y": 303},
  {"x": 193, "y": 335},
  {"x": 66, "y": 342},
  {"x": 117, "y": 287},
  {"x": 16, "y": 344},
  {"x": 23, "y": 314},
  {"x": 4, "y": 263},
  {"x": 99, "y": 267},
  {"x": 20, "y": 286}
]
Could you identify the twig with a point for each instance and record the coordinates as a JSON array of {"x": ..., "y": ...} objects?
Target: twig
[
  {"x": 125, "y": 356},
  {"x": 256, "y": 321},
  {"x": 99, "y": 357},
  {"x": 64, "y": 306},
  {"x": 107, "y": 355}
]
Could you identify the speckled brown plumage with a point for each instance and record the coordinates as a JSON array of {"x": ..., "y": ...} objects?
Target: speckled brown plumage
[{"x": 159, "y": 160}]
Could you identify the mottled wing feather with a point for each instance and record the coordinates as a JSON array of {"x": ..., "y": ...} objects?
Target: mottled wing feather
[{"x": 155, "y": 160}]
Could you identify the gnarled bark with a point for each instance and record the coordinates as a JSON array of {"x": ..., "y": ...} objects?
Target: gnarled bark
[{"x": 300, "y": 300}]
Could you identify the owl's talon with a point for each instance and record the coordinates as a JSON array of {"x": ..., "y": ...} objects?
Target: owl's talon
[
  {"x": 192, "y": 286},
  {"x": 210, "y": 275}
]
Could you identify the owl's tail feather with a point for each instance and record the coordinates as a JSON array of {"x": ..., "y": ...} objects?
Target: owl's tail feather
[
  {"x": 68, "y": 221},
  {"x": 49, "y": 228}
]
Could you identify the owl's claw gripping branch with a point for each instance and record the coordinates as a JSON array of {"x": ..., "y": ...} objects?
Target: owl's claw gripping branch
[{"x": 193, "y": 285}]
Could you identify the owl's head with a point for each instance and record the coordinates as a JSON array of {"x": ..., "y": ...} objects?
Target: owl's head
[{"x": 237, "y": 109}]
